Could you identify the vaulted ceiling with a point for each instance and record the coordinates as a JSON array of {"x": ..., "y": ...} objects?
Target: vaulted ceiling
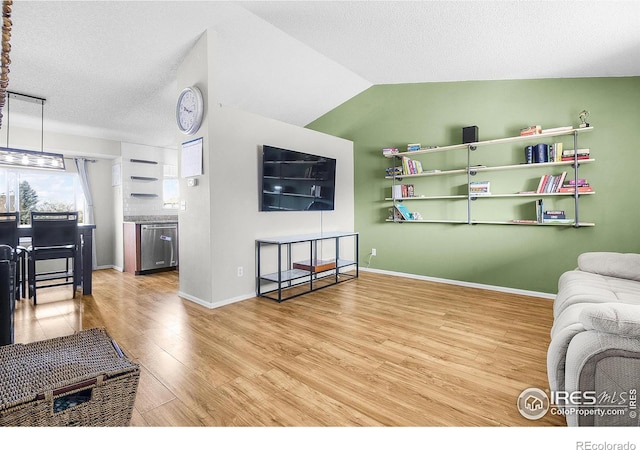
[{"x": 108, "y": 69}]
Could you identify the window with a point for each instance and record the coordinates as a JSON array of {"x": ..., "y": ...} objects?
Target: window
[
  {"x": 39, "y": 190},
  {"x": 170, "y": 187}
]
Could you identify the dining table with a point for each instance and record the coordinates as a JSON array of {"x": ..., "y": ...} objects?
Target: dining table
[{"x": 82, "y": 265}]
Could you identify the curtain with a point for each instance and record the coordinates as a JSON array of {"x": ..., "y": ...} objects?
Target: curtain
[{"x": 81, "y": 165}]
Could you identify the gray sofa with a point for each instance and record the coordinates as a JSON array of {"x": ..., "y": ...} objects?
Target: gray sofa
[{"x": 595, "y": 341}]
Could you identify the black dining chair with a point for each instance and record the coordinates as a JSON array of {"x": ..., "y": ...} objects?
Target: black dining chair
[
  {"x": 9, "y": 236},
  {"x": 53, "y": 237}
]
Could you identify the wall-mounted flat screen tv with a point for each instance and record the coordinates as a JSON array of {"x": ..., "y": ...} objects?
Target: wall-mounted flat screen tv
[{"x": 296, "y": 181}]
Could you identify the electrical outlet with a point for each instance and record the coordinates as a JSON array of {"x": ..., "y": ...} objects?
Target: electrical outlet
[
  {"x": 373, "y": 252},
  {"x": 240, "y": 271}
]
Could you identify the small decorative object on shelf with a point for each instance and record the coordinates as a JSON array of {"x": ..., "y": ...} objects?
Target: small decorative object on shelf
[
  {"x": 469, "y": 134},
  {"x": 530, "y": 131},
  {"x": 413, "y": 147},
  {"x": 583, "y": 118}
]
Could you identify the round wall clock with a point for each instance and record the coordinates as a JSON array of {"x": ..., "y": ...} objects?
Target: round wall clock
[{"x": 189, "y": 110}]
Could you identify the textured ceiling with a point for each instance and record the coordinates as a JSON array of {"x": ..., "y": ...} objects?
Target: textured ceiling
[{"x": 108, "y": 69}]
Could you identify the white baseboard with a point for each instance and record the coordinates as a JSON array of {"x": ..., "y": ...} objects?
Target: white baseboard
[
  {"x": 218, "y": 304},
  {"x": 119, "y": 269},
  {"x": 463, "y": 283}
]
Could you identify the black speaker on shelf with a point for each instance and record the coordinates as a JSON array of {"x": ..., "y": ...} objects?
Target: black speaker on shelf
[{"x": 469, "y": 134}]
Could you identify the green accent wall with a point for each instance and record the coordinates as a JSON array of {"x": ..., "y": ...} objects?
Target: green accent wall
[{"x": 513, "y": 256}]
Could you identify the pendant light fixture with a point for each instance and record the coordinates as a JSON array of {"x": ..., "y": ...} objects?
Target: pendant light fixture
[
  {"x": 29, "y": 158},
  {"x": 13, "y": 156}
]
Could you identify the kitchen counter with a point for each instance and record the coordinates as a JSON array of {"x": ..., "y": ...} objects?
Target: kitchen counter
[{"x": 151, "y": 219}]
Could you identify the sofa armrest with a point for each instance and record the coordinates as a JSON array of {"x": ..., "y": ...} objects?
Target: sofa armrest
[
  {"x": 619, "y": 265},
  {"x": 606, "y": 363},
  {"x": 621, "y": 319}
]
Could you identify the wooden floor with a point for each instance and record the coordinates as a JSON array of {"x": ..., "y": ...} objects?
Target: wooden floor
[{"x": 377, "y": 350}]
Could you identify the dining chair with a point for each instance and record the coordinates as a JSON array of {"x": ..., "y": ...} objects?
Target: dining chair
[
  {"x": 53, "y": 237},
  {"x": 7, "y": 293},
  {"x": 9, "y": 236}
]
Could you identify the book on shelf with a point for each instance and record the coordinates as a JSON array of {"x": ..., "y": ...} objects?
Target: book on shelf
[
  {"x": 410, "y": 166},
  {"x": 530, "y": 131},
  {"x": 404, "y": 212},
  {"x": 571, "y": 154},
  {"x": 570, "y": 186},
  {"x": 553, "y": 215},
  {"x": 389, "y": 151},
  {"x": 555, "y": 152},
  {"x": 572, "y": 189},
  {"x": 571, "y": 158},
  {"x": 580, "y": 152},
  {"x": 541, "y": 153},
  {"x": 413, "y": 147},
  {"x": 550, "y": 184},
  {"x": 394, "y": 171},
  {"x": 539, "y": 210},
  {"x": 559, "y": 221},
  {"x": 477, "y": 188},
  {"x": 403, "y": 191}
]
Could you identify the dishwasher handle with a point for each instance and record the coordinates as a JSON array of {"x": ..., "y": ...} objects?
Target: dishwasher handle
[{"x": 159, "y": 227}]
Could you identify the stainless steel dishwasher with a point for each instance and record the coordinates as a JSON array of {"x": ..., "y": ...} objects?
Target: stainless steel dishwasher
[{"x": 158, "y": 246}]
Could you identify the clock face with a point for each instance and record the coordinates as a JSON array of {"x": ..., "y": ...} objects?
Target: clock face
[{"x": 189, "y": 110}]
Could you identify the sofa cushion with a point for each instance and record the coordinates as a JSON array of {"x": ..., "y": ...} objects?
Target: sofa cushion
[
  {"x": 615, "y": 318},
  {"x": 576, "y": 286},
  {"x": 611, "y": 264}
]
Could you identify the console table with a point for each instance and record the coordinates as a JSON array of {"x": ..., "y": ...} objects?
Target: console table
[{"x": 304, "y": 263}]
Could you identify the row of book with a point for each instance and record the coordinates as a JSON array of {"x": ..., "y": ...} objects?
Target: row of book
[
  {"x": 553, "y": 216},
  {"x": 542, "y": 153},
  {"x": 401, "y": 212},
  {"x": 411, "y": 166},
  {"x": 570, "y": 155},
  {"x": 551, "y": 183},
  {"x": 403, "y": 191},
  {"x": 581, "y": 184}
]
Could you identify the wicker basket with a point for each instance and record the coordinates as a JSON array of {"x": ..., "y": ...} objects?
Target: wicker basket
[{"x": 78, "y": 380}]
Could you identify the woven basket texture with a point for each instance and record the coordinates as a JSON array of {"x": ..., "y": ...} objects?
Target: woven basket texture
[{"x": 30, "y": 374}]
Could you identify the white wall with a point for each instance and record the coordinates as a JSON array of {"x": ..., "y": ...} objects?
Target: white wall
[
  {"x": 221, "y": 221},
  {"x": 142, "y": 206},
  {"x": 194, "y": 226},
  {"x": 236, "y": 222}
]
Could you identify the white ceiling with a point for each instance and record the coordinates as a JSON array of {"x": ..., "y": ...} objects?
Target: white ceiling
[{"x": 108, "y": 69}]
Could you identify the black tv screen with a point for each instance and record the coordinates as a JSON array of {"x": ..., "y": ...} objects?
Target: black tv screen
[{"x": 296, "y": 181}]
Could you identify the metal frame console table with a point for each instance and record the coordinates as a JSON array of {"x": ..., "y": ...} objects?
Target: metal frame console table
[{"x": 299, "y": 277}]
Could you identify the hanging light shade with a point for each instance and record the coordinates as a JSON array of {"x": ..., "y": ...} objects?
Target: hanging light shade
[{"x": 31, "y": 159}]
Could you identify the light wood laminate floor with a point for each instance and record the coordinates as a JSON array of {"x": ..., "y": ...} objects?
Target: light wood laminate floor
[{"x": 375, "y": 351}]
